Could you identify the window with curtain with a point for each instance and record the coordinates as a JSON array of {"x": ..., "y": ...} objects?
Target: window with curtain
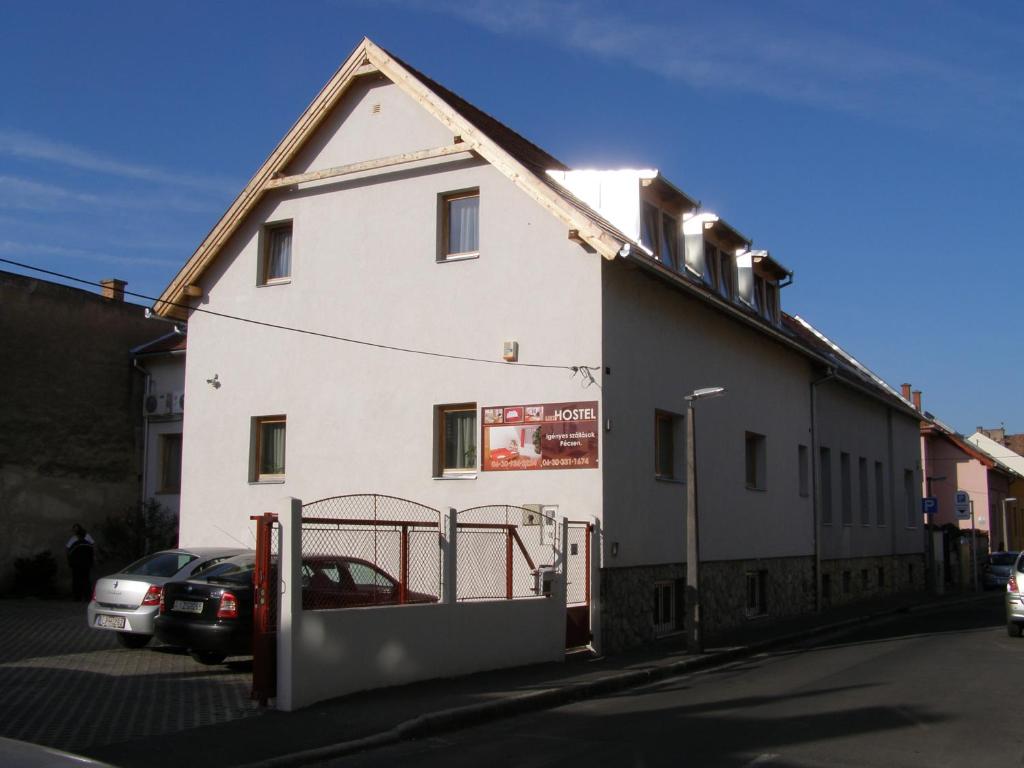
[
  {"x": 277, "y": 258},
  {"x": 270, "y": 448},
  {"x": 461, "y": 229},
  {"x": 457, "y": 438}
]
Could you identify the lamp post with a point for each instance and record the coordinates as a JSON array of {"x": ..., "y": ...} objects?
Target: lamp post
[
  {"x": 694, "y": 638},
  {"x": 1006, "y": 536}
]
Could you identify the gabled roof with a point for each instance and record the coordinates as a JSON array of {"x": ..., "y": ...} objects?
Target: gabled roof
[
  {"x": 934, "y": 427},
  {"x": 519, "y": 159},
  {"x": 527, "y": 165},
  {"x": 998, "y": 452}
]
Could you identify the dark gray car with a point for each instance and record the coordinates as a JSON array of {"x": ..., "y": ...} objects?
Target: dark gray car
[{"x": 997, "y": 569}]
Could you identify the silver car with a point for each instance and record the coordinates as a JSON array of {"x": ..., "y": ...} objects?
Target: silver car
[
  {"x": 1015, "y": 598},
  {"x": 127, "y": 602}
]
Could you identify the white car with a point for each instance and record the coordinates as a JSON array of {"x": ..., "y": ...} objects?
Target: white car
[{"x": 127, "y": 602}]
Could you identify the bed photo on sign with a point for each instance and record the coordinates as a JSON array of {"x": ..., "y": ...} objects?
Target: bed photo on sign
[{"x": 514, "y": 445}]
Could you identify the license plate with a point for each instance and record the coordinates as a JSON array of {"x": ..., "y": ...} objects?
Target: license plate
[
  {"x": 110, "y": 622},
  {"x": 188, "y": 606}
]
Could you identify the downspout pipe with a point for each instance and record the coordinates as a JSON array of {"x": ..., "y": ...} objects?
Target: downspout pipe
[
  {"x": 145, "y": 432},
  {"x": 830, "y": 373}
]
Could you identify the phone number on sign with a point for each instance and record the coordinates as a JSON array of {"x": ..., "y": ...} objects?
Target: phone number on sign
[{"x": 582, "y": 461}]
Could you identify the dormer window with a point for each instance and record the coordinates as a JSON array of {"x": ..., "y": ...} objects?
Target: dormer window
[
  {"x": 660, "y": 232},
  {"x": 721, "y": 269}
]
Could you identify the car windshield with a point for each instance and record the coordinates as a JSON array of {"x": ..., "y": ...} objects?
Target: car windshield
[
  {"x": 161, "y": 564},
  {"x": 235, "y": 571},
  {"x": 1004, "y": 559}
]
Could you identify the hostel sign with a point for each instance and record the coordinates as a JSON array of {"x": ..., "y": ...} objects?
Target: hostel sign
[{"x": 541, "y": 436}]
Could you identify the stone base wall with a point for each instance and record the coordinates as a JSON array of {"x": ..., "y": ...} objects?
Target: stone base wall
[
  {"x": 627, "y": 594},
  {"x": 860, "y": 578}
]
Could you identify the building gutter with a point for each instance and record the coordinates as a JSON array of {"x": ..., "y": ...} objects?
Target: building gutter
[{"x": 145, "y": 432}]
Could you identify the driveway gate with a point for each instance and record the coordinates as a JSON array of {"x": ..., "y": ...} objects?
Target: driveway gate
[
  {"x": 266, "y": 597},
  {"x": 577, "y": 574}
]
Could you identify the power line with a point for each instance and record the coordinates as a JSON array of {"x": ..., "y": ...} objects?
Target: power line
[{"x": 586, "y": 370}]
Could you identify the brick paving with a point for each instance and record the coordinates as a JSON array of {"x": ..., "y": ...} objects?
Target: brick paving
[{"x": 65, "y": 685}]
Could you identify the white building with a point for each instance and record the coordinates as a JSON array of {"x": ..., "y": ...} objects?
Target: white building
[
  {"x": 162, "y": 364},
  {"x": 413, "y": 241}
]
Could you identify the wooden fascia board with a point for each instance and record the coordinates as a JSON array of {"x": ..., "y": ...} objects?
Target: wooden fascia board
[
  {"x": 367, "y": 57},
  {"x": 547, "y": 197},
  {"x": 282, "y": 154}
]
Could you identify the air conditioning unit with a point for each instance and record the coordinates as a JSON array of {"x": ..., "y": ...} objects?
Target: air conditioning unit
[
  {"x": 163, "y": 403},
  {"x": 177, "y": 402}
]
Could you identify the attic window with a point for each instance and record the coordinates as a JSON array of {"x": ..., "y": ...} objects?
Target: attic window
[
  {"x": 660, "y": 232},
  {"x": 723, "y": 269},
  {"x": 459, "y": 226},
  {"x": 276, "y": 258}
]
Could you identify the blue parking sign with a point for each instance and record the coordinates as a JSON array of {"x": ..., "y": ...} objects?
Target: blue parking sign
[{"x": 929, "y": 505}]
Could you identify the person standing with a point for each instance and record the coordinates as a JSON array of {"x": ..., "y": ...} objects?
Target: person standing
[{"x": 80, "y": 548}]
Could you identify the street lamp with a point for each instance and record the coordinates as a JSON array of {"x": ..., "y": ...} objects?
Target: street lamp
[
  {"x": 1006, "y": 537},
  {"x": 694, "y": 638}
]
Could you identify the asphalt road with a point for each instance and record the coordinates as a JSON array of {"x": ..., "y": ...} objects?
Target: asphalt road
[{"x": 925, "y": 689}]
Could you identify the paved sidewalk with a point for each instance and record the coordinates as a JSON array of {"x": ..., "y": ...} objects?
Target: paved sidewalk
[
  {"x": 67, "y": 686},
  {"x": 366, "y": 720}
]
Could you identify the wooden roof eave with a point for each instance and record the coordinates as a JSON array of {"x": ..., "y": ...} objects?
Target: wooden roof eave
[
  {"x": 365, "y": 59},
  {"x": 172, "y": 301},
  {"x": 542, "y": 193}
]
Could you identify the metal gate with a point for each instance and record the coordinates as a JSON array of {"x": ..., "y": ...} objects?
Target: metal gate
[
  {"x": 577, "y": 574},
  {"x": 266, "y": 595}
]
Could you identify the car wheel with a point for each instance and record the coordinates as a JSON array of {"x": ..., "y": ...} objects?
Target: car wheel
[
  {"x": 1012, "y": 629},
  {"x": 208, "y": 657},
  {"x": 132, "y": 640}
]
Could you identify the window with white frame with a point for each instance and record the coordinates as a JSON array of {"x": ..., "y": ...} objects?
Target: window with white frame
[
  {"x": 268, "y": 448},
  {"x": 276, "y": 256},
  {"x": 456, "y": 439},
  {"x": 459, "y": 228}
]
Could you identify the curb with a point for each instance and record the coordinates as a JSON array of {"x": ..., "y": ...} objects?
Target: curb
[{"x": 475, "y": 714}]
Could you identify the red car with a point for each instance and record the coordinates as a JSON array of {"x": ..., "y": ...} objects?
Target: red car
[{"x": 211, "y": 614}]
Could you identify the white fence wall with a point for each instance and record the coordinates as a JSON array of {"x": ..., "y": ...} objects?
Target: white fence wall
[{"x": 327, "y": 653}]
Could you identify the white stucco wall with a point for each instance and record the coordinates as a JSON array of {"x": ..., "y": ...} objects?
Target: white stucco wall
[
  {"x": 167, "y": 374},
  {"x": 855, "y": 424},
  {"x": 660, "y": 345},
  {"x": 361, "y": 419},
  {"x": 338, "y": 652}
]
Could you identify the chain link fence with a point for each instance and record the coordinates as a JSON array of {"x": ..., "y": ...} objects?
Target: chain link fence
[
  {"x": 501, "y": 548},
  {"x": 368, "y": 549}
]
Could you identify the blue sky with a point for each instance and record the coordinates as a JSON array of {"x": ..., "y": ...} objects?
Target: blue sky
[{"x": 874, "y": 148}]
